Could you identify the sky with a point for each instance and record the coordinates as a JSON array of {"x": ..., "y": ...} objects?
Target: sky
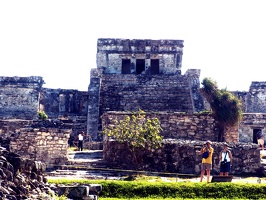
[{"x": 57, "y": 39}]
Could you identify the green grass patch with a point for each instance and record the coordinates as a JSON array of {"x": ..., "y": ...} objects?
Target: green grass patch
[
  {"x": 143, "y": 189},
  {"x": 102, "y": 198}
]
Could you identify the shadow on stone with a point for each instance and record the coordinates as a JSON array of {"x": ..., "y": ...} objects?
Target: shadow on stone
[{"x": 222, "y": 179}]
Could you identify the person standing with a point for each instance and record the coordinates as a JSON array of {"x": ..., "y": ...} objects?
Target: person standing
[
  {"x": 80, "y": 142},
  {"x": 225, "y": 158},
  {"x": 206, "y": 160},
  {"x": 261, "y": 142}
]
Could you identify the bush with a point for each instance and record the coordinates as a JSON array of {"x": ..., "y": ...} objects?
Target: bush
[
  {"x": 185, "y": 190},
  {"x": 42, "y": 115}
]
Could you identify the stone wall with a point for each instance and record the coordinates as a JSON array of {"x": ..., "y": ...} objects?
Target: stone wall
[
  {"x": 251, "y": 123},
  {"x": 194, "y": 84},
  {"x": 140, "y": 74},
  {"x": 45, "y": 141},
  {"x": 68, "y": 105},
  {"x": 9, "y": 127},
  {"x": 93, "y": 119},
  {"x": 176, "y": 125},
  {"x": 19, "y": 97},
  {"x": 151, "y": 93},
  {"x": 232, "y": 135},
  {"x": 60, "y": 103},
  {"x": 253, "y": 100},
  {"x": 180, "y": 156},
  {"x": 256, "y": 98},
  {"x": 111, "y": 52},
  {"x": 22, "y": 97},
  {"x": 128, "y": 92}
]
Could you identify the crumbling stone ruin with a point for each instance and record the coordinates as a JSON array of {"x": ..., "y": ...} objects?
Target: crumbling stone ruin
[
  {"x": 22, "y": 98},
  {"x": 130, "y": 75},
  {"x": 145, "y": 74},
  {"x": 180, "y": 156},
  {"x": 21, "y": 178},
  {"x": 19, "y": 97}
]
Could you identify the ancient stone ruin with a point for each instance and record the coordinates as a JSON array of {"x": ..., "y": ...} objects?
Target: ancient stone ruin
[
  {"x": 130, "y": 75},
  {"x": 145, "y": 74},
  {"x": 21, "y": 178}
]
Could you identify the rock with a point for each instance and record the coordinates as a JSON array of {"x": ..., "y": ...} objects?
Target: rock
[
  {"x": 74, "y": 192},
  {"x": 21, "y": 178}
]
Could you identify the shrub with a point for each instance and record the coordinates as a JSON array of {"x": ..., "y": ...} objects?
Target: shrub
[
  {"x": 183, "y": 190},
  {"x": 42, "y": 115}
]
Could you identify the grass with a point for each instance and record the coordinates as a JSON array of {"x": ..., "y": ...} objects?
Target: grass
[{"x": 100, "y": 198}]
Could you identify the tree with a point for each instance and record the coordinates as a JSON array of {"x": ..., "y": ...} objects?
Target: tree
[
  {"x": 226, "y": 107},
  {"x": 136, "y": 131}
]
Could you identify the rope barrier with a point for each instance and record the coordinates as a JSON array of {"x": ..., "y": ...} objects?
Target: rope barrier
[{"x": 169, "y": 174}]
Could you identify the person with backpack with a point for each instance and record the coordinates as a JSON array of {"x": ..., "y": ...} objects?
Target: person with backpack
[
  {"x": 225, "y": 158},
  {"x": 206, "y": 165},
  {"x": 260, "y": 139}
]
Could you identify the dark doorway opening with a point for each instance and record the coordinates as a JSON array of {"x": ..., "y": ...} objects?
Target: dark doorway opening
[
  {"x": 140, "y": 66},
  {"x": 178, "y": 59},
  {"x": 126, "y": 66},
  {"x": 256, "y": 132},
  {"x": 154, "y": 66}
]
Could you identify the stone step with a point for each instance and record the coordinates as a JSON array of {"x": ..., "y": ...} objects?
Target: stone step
[
  {"x": 89, "y": 154},
  {"x": 85, "y": 159}
]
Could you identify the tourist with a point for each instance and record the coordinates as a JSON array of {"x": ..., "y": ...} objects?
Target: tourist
[
  {"x": 225, "y": 158},
  {"x": 261, "y": 142},
  {"x": 80, "y": 142},
  {"x": 206, "y": 164}
]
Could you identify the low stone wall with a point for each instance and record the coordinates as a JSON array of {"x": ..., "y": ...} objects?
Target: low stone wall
[
  {"x": 180, "y": 156},
  {"x": 251, "y": 122},
  {"x": 176, "y": 125},
  {"x": 8, "y": 127},
  {"x": 48, "y": 143}
]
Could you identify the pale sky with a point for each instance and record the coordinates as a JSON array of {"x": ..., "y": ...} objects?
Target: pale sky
[{"x": 57, "y": 39}]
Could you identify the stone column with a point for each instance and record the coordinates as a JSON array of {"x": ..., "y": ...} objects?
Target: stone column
[{"x": 93, "y": 103}]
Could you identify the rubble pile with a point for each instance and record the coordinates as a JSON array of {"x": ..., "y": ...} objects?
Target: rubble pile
[{"x": 22, "y": 178}]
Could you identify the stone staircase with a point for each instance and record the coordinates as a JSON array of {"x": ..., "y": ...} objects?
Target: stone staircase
[
  {"x": 83, "y": 164},
  {"x": 86, "y": 159},
  {"x": 87, "y": 164}
]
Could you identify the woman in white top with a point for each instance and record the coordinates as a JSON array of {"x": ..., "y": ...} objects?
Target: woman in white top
[{"x": 225, "y": 158}]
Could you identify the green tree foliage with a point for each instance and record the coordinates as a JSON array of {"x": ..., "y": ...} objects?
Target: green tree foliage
[
  {"x": 136, "y": 131},
  {"x": 226, "y": 107},
  {"x": 42, "y": 115}
]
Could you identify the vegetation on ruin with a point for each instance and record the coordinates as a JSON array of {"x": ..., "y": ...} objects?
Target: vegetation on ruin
[
  {"x": 42, "y": 115},
  {"x": 226, "y": 107},
  {"x": 136, "y": 131}
]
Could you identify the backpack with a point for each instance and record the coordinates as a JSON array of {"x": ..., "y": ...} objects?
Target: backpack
[
  {"x": 223, "y": 163},
  {"x": 205, "y": 154},
  {"x": 259, "y": 135}
]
